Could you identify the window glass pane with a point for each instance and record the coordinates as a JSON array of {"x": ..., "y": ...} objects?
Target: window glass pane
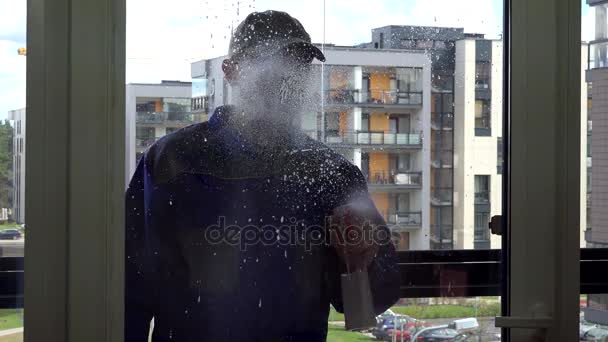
[
  {"x": 393, "y": 108},
  {"x": 12, "y": 167}
]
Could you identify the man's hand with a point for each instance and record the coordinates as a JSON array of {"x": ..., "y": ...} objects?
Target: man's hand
[{"x": 352, "y": 235}]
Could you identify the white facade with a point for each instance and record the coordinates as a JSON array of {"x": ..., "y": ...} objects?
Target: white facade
[
  {"x": 18, "y": 117},
  {"x": 475, "y": 155}
]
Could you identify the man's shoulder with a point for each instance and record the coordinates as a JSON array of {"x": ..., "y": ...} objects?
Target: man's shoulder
[
  {"x": 182, "y": 137},
  {"x": 178, "y": 151}
]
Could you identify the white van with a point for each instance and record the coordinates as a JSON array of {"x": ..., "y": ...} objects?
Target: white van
[{"x": 465, "y": 324}]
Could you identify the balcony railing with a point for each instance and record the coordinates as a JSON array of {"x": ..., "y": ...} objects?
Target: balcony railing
[
  {"x": 405, "y": 219},
  {"x": 161, "y": 117},
  {"x": 370, "y": 138},
  {"x": 394, "y": 177},
  {"x": 373, "y": 96}
]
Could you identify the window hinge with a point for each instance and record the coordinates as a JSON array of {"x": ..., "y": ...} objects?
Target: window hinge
[{"x": 495, "y": 225}]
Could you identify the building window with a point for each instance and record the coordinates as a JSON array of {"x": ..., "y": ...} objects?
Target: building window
[
  {"x": 482, "y": 75},
  {"x": 482, "y": 232},
  {"x": 424, "y": 44},
  {"x": 440, "y": 45},
  {"x": 408, "y": 43},
  {"x": 499, "y": 156},
  {"x": 482, "y": 212},
  {"x": 482, "y": 189},
  {"x": 482, "y": 118}
]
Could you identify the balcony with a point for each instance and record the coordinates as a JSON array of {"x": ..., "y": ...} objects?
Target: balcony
[
  {"x": 393, "y": 180},
  {"x": 372, "y": 139},
  {"x": 404, "y": 220},
  {"x": 159, "y": 118},
  {"x": 374, "y": 98}
]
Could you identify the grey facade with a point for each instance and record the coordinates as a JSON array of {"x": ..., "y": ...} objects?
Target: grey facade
[
  {"x": 154, "y": 110},
  {"x": 18, "y": 117}
]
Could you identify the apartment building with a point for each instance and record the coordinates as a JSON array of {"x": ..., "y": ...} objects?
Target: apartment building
[
  {"x": 478, "y": 164},
  {"x": 420, "y": 111},
  {"x": 18, "y": 117},
  {"x": 376, "y": 111},
  {"x": 439, "y": 44},
  {"x": 153, "y": 111}
]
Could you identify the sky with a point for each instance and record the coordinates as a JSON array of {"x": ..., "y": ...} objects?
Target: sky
[{"x": 162, "y": 39}]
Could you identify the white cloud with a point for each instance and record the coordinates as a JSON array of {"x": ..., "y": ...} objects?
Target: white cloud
[
  {"x": 164, "y": 38},
  {"x": 13, "y": 20},
  {"x": 588, "y": 21},
  {"x": 475, "y": 16}
]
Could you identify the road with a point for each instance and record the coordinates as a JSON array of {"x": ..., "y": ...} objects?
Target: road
[{"x": 10, "y": 248}]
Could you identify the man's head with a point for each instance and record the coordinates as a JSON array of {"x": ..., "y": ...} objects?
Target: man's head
[
  {"x": 269, "y": 62},
  {"x": 267, "y": 35}
]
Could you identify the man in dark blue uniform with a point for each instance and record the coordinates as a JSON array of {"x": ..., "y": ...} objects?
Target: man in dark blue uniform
[{"x": 227, "y": 220}]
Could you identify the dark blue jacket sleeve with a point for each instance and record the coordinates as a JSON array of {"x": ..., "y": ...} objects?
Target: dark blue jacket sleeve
[
  {"x": 383, "y": 271},
  {"x": 139, "y": 271}
]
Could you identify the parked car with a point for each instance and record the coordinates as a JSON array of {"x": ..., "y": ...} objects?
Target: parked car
[
  {"x": 584, "y": 327},
  {"x": 596, "y": 335},
  {"x": 390, "y": 322},
  {"x": 387, "y": 313},
  {"x": 435, "y": 334},
  {"x": 407, "y": 330},
  {"x": 10, "y": 234}
]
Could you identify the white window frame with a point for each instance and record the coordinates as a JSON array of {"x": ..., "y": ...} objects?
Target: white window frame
[{"x": 75, "y": 170}]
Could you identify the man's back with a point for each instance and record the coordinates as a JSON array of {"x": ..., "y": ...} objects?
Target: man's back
[{"x": 225, "y": 235}]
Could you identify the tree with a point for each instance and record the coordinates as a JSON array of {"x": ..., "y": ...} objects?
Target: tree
[{"x": 6, "y": 165}]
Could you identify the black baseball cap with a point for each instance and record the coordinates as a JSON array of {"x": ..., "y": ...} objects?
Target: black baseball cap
[{"x": 263, "y": 34}]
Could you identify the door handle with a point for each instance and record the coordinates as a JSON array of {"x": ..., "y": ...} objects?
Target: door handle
[{"x": 495, "y": 225}]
